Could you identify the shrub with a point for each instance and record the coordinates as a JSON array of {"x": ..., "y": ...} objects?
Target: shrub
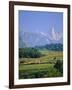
[
  {"x": 29, "y": 53},
  {"x": 59, "y": 65}
]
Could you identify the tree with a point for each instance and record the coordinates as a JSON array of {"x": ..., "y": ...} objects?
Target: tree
[
  {"x": 29, "y": 53},
  {"x": 59, "y": 65}
]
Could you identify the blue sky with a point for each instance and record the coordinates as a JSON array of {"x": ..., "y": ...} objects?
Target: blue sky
[
  {"x": 36, "y": 21},
  {"x": 40, "y": 27}
]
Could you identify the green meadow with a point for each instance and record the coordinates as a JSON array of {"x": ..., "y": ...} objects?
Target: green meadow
[{"x": 50, "y": 64}]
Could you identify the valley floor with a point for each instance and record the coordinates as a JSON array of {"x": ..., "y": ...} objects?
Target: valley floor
[{"x": 40, "y": 67}]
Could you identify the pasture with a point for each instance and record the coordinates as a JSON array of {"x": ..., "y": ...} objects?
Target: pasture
[{"x": 41, "y": 67}]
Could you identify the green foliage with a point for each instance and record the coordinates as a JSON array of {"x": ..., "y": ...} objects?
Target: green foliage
[
  {"x": 59, "y": 65},
  {"x": 38, "y": 71},
  {"x": 43, "y": 66},
  {"x": 29, "y": 53},
  {"x": 51, "y": 72},
  {"x": 52, "y": 47}
]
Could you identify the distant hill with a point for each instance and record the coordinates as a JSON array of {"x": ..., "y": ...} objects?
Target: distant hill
[{"x": 53, "y": 47}]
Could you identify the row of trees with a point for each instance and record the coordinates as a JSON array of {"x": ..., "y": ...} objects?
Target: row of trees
[
  {"x": 53, "y": 47},
  {"x": 29, "y": 53}
]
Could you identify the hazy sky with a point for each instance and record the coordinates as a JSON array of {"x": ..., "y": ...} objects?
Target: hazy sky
[
  {"x": 36, "y": 21},
  {"x": 40, "y": 28}
]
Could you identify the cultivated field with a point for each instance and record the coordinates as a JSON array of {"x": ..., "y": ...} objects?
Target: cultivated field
[{"x": 40, "y": 67}]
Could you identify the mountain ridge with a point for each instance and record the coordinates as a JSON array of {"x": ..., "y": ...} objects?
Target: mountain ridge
[{"x": 32, "y": 39}]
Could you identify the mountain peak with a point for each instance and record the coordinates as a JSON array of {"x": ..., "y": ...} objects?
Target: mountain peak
[{"x": 31, "y": 39}]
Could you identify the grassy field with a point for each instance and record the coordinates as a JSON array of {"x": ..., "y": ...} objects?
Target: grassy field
[{"x": 40, "y": 67}]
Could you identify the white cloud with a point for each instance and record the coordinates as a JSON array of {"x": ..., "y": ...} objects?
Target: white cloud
[
  {"x": 55, "y": 35},
  {"x": 44, "y": 34}
]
